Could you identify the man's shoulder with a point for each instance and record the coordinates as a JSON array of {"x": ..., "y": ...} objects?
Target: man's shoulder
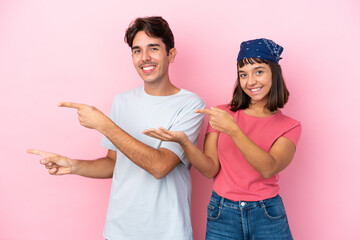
[
  {"x": 187, "y": 92},
  {"x": 191, "y": 97}
]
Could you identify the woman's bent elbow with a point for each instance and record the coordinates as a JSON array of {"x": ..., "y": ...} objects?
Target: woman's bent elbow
[
  {"x": 210, "y": 174},
  {"x": 268, "y": 175}
]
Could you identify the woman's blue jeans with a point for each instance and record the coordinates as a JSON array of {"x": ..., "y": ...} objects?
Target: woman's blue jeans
[{"x": 261, "y": 220}]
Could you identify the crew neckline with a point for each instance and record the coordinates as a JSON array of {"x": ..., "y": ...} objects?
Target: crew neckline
[
  {"x": 165, "y": 96},
  {"x": 247, "y": 115}
]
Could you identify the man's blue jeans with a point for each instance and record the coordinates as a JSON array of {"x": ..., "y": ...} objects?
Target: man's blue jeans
[{"x": 261, "y": 220}]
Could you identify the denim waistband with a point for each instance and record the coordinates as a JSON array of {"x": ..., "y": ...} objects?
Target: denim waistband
[{"x": 241, "y": 204}]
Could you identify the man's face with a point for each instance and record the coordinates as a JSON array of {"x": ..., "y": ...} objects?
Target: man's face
[{"x": 150, "y": 58}]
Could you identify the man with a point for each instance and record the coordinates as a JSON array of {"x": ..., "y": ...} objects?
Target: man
[{"x": 151, "y": 187}]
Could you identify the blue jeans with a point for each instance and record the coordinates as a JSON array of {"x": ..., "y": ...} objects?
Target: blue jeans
[{"x": 262, "y": 220}]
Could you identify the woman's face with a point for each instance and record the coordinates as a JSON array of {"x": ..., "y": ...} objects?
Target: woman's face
[{"x": 256, "y": 81}]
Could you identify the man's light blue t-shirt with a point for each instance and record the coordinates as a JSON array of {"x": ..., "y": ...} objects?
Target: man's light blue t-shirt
[{"x": 140, "y": 206}]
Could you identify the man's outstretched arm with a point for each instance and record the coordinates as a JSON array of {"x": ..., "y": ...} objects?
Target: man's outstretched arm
[
  {"x": 156, "y": 162},
  {"x": 61, "y": 165}
]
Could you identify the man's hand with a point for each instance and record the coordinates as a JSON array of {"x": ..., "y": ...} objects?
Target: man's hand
[
  {"x": 89, "y": 116},
  {"x": 166, "y": 135},
  {"x": 220, "y": 120},
  {"x": 57, "y": 164}
]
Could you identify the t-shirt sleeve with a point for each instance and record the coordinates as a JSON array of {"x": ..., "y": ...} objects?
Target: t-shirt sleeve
[
  {"x": 210, "y": 129},
  {"x": 293, "y": 134},
  {"x": 188, "y": 122},
  {"x": 105, "y": 141}
]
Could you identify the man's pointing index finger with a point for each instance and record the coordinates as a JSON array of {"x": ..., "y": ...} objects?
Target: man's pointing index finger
[{"x": 70, "y": 105}]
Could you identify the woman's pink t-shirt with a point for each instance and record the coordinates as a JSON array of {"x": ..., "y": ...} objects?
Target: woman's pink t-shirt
[{"x": 237, "y": 180}]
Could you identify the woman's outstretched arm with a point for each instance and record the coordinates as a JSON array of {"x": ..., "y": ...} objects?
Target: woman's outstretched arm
[{"x": 206, "y": 163}]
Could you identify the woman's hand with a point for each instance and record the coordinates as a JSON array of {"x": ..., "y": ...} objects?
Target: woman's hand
[
  {"x": 220, "y": 120},
  {"x": 166, "y": 135}
]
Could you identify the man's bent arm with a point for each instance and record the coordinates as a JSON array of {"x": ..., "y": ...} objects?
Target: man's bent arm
[{"x": 156, "y": 162}]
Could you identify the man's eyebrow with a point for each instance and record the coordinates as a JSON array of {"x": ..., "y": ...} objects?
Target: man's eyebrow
[{"x": 149, "y": 45}]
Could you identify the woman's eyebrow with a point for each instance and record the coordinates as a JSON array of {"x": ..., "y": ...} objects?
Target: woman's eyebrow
[{"x": 260, "y": 67}]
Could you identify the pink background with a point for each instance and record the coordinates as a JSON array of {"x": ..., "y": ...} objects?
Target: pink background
[{"x": 52, "y": 51}]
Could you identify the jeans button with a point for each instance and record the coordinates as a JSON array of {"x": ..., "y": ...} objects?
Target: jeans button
[{"x": 242, "y": 204}]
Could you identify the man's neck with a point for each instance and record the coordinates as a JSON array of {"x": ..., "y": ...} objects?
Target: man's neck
[{"x": 160, "y": 89}]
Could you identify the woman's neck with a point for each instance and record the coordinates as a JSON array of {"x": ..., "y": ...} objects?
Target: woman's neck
[{"x": 259, "y": 111}]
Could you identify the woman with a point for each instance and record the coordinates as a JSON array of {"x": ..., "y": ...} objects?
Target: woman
[{"x": 248, "y": 142}]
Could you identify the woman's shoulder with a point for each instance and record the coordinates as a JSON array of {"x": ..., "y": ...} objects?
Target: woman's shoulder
[{"x": 289, "y": 120}]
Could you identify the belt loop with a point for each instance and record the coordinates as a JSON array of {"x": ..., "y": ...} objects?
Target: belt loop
[
  {"x": 222, "y": 202},
  {"x": 262, "y": 204}
]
